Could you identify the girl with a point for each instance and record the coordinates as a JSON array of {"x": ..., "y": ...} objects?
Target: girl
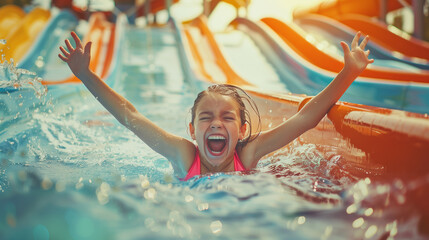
[{"x": 219, "y": 118}]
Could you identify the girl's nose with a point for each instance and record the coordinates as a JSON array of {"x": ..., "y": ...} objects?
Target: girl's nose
[{"x": 215, "y": 124}]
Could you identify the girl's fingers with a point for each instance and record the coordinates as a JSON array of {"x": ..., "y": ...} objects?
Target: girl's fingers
[
  {"x": 355, "y": 40},
  {"x": 66, "y": 54},
  {"x": 69, "y": 46},
  {"x": 62, "y": 57},
  {"x": 87, "y": 49},
  {"x": 345, "y": 47},
  {"x": 76, "y": 40},
  {"x": 367, "y": 53},
  {"x": 364, "y": 42}
]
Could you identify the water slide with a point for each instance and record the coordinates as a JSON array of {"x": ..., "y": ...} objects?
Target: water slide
[
  {"x": 369, "y": 91},
  {"x": 371, "y": 141},
  {"x": 415, "y": 84},
  {"x": 23, "y": 34},
  {"x": 42, "y": 58},
  {"x": 327, "y": 29},
  {"x": 102, "y": 35},
  {"x": 388, "y": 36},
  {"x": 149, "y": 61},
  {"x": 336, "y": 8},
  {"x": 10, "y": 15},
  {"x": 297, "y": 40}
]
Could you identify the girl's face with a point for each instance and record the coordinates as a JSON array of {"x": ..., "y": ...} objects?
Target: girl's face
[{"x": 217, "y": 128}]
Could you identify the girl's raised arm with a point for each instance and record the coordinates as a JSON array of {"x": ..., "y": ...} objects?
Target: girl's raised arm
[
  {"x": 172, "y": 147},
  {"x": 355, "y": 61}
]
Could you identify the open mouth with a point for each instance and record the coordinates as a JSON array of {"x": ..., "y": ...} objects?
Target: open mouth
[{"x": 216, "y": 144}]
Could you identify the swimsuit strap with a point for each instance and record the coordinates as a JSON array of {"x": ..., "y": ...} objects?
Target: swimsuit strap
[
  {"x": 195, "y": 168},
  {"x": 238, "y": 165}
]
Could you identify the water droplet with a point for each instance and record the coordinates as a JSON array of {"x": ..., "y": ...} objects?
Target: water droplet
[
  {"x": 203, "y": 206},
  {"x": 189, "y": 198},
  {"x": 351, "y": 209},
  {"x": 216, "y": 227},
  {"x": 371, "y": 231},
  {"x": 145, "y": 183},
  {"x": 367, "y": 181},
  {"x": 40, "y": 62},
  {"x": 79, "y": 184},
  {"x": 358, "y": 222},
  {"x": 369, "y": 212},
  {"x": 392, "y": 228},
  {"x": 301, "y": 220},
  {"x": 103, "y": 193},
  {"x": 150, "y": 194}
]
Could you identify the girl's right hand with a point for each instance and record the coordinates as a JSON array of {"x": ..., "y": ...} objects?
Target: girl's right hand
[
  {"x": 356, "y": 58},
  {"x": 77, "y": 58}
]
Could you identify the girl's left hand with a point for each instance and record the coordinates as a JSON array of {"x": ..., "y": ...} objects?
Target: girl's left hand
[
  {"x": 77, "y": 58},
  {"x": 356, "y": 58}
]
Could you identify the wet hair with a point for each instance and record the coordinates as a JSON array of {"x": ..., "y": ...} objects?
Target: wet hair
[{"x": 241, "y": 97}]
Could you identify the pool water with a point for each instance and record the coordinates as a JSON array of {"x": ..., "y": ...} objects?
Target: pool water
[{"x": 69, "y": 170}]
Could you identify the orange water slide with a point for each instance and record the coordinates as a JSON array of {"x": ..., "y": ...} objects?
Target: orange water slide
[
  {"x": 24, "y": 33},
  {"x": 296, "y": 39},
  {"x": 10, "y": 16},
  {"x": 336, "y": 8},
  {"x": 365, "y": 141},
  {"x": 203, "y": 45},
  {"x": 102, "y": 35},
  {"x": 380, "y": 34}
]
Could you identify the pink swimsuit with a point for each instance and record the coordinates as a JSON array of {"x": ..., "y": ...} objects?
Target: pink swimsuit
[{"x": 195, "y": 168}]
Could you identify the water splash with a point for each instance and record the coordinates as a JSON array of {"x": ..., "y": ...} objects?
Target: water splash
[{"x": 13, "y": 78}]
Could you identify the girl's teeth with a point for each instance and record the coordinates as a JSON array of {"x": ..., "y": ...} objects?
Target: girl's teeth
[{"x": 216, "y": 137}]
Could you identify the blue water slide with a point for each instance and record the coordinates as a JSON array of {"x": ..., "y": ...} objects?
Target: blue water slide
[
  {"x": 194, "y": 82},
  {"x": 381, "y": 93},
  {"x": 120, "y": 25},
  {"x": 18, "y": 100},
  {"x": 333, "y": 32},
  {"x": 46, "y": 45},
  {"x": 48, "y": 42}
]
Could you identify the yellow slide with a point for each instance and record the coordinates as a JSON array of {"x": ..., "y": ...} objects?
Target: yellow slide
[
  {"x": 10, "y": 15},
  {"x": 23, "y": 34}
]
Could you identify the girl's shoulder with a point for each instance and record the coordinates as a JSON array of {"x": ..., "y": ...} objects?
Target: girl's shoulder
[
  {"x": 186, "y": 155},
  {"x": 247, "y": 155}
]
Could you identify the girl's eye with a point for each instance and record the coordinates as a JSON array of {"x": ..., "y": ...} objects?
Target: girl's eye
[
  {"x": 230, "y": 118},
  {"x": 204, "y": 118}
]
